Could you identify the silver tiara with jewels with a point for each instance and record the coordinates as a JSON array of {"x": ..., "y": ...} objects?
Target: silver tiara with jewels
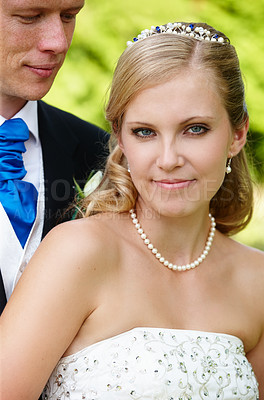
[{"x": 196, "y": 32}]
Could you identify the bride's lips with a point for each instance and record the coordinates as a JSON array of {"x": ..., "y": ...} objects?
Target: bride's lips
[
  {"x": 44, "y": 71},
  {"x": 173, "y": 183}
]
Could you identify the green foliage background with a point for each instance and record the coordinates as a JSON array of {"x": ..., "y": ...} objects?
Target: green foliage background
[{"x": 102, "y": 30}]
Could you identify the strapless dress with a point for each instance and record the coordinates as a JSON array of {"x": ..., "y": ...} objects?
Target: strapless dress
[{"x": 154, "y": 363}]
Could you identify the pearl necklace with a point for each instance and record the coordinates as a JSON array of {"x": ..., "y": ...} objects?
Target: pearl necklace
[{"x": 166, "y": 263}]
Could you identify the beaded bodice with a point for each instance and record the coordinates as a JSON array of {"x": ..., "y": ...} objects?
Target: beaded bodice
[{"x": 153, "y": 363}]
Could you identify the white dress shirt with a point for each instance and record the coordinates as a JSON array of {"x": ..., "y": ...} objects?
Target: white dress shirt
[{"x": 13, "y": 258}]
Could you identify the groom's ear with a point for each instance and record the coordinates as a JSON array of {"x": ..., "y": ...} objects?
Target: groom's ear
[{"x": 239, "y": 139}]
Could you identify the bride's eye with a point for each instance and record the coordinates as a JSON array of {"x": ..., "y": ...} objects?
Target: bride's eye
[
  {"x": 197, "y": 130},
  {"x": 143, "y": 133}
]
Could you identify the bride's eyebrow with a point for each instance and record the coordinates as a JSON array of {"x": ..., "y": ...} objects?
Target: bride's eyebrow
[
  {"x": 139, "y": 123},
  {"x": 187, "y": 120},
  {"x": 195, "y": 117}
]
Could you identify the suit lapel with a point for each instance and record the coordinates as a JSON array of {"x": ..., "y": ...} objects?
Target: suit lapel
[
  {"x": 2, "y": 294},
  {"x": 58, "y": 145}
]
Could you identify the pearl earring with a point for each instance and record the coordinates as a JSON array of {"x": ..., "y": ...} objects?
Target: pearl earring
[
  {"x": 128, "y": 168},
  {"x": 228, "y": 167}
]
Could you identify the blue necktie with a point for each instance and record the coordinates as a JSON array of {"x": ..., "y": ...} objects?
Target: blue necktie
[{"x": 19, "y": 198}]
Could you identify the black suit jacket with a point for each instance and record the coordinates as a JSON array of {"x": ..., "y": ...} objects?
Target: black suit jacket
[{"x": 71, "y": 148}]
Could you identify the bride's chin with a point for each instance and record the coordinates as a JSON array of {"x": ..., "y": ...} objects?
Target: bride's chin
[
  {"x": 163, "y": 211},
  {"x": 173, "y": 213},
  {"x": 171, "y": 208}
]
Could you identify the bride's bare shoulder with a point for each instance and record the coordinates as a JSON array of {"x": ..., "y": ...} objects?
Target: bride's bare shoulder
[
  {"x": 248, "y": 255},
  {"x": 96, "y": 237},
  {"x": 247, "y": 263}
]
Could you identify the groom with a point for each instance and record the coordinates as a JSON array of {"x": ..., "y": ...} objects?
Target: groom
[{"x": 53, "y": 146}]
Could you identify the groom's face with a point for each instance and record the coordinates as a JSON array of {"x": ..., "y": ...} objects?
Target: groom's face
[{"x": 35, "y": 36}]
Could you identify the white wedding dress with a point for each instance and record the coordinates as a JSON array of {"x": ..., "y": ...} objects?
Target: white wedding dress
[{"x": 153, "y": 363}]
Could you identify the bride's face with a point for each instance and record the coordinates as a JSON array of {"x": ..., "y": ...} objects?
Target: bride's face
[{"x": 177, "y": 138}]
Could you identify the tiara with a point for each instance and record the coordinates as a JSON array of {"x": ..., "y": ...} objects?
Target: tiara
[{"x": 178, "y": 28}]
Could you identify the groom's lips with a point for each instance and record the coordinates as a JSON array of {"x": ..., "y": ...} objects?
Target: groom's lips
[{"x": 44, "y": 71}]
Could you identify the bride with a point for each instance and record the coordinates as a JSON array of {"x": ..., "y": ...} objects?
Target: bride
[{"x": 148, "y": 297}]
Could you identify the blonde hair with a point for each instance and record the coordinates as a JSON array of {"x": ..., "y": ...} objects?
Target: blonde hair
[{"x": 155, "y": 60}]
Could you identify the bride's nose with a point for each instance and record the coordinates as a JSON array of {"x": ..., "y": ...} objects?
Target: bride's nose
[{"x": 169, "y": 156}]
